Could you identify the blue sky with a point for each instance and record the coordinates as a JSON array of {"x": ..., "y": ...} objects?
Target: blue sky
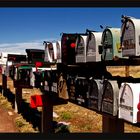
[{"x": 22, "y": 28}]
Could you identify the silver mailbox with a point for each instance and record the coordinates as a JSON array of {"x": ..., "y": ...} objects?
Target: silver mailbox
[
  {"x": 130, "y": 36},
  {"x": 81, "y": 48},
  {"x": 95, "y": 94},
  {"x": 93, "y": 41},
  {"x": 128, "y": 101},
  {"x": 110, "y": 97}
]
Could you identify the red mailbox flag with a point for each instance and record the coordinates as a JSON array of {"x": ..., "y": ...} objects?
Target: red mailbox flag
[{"x": 38, "y": 64}]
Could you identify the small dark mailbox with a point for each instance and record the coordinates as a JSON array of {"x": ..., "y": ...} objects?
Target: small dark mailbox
[
  {"x": 95, "y": 94},
  {"x": 81, "y": 89},
  {"x": 110, "y": 97},
  {"x": 111, "y": 44},
  {"x": 22, "y": 76},
  {"x": 68, "y": 43},
  {"x": 81, "y": 48},
  {"x": 71, "y": 81},
  {"x": 34, "y": 55},
  {"x": 93, "y": 41},
  {"x": 130, "y": 36}
]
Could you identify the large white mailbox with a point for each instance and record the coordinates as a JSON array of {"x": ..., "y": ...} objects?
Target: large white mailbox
[
  {"x": 93, "y": 42},
  {"x": 81, "y": 48},
  {"x": 130, "y": 36},
  {"x": 110, "y": 97},
  {"x": 95, "y": 93},
  {"x": 128, "y": 102}
]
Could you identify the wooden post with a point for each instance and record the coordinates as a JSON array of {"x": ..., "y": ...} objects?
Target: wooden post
[
  {"x": 47, "y": 114},
  {"x": 18, "y": 99},
  {"x": 4, "y": 84},
  {"x": 127, "y": 71},
  {"x": 112, "y": 125}
]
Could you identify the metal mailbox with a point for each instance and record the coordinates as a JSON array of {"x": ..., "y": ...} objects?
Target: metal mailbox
[
  {"x": 22, "y": 76},
  {"x": 81, "y": 48},
  {"x": 130, "y": 36},
  {"x": 93, "y": 41},
  {"x": 110, "y": 97},
  {"x": 53, "y": 52},
  {"x": 68, "y": 48},
  {"x": 81, "y": 89},
  {"x": 95, "y": 93},
  {"x": 34, "y": 55},
  {"x": 128, "y": 101},
  {"x": 111, "y": 44},
  {"x": 71, "y": 82}
]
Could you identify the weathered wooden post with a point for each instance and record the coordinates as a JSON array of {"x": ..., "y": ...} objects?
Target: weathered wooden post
[
  {"x": 4, "y": 84},
  {"x": 18, "y": 99},
  {"x": 47, "y": 114},
  {"x": 112, "y": 124}
]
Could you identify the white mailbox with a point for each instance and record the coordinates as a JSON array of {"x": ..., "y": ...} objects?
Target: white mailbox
[
  {"x": 93, "y": 42},
  {"x": 110, "y": 97},
  {"x": 53, "y": 52},
  {"x": 95, "y": 94},
  {"x": 128, "y": 102},
  {"x": 130, "y": 36},
  {"x": 81, "y": 48}
]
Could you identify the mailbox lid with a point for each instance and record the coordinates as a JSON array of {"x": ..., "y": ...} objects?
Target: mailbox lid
[
  {"x": 110, "y": 97},
  {"x": 128, "y": 101},
  {"x": 81, "y": 48},
  {"x": 111, "y": 43},
  {"x": 93, "y": 41},
  {"x": 95, "y": 94},
  {"x": 130, "y": 34}
]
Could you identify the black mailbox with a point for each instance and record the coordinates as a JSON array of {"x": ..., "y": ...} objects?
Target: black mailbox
[{"x": 81, "y": 89}]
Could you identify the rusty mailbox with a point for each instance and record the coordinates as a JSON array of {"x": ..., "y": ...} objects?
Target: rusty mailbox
[
  {"x": 109, "y": 103},
  {"x": 130, "y": 36},
  {"x": 95, "y": 94},
  {"x": 93, "y": 42},
  {"x": 111, "y": 44},
  {"x": 128, "y": 101}
]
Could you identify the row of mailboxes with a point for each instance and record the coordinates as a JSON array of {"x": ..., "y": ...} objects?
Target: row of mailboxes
[{"x": 95, "y": 94}]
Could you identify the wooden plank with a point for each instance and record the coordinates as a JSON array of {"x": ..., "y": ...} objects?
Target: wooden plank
[
  {"x": 47, "y": 114},
  {"x": 112, "y": 125},
  {"x": 18, "y": 99}
]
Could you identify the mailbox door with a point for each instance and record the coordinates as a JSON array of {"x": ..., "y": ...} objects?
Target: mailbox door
[
  {"x": 81, "y": 49},
  {"x": 126, "y": 103},
  {"x": 107, "y": 42},
  {"x": 82, "y": 91},
  {"x": 107, "y": 99},
  {"x": 71, "y": 88},
  {"x": 93, "y": 95},
  {"x": 47, "y": 80}
]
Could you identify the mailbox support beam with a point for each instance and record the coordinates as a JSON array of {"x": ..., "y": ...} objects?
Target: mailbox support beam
[
  {"x": 112, "y": 124},
  {"x": 47, "y": 114},
  {"x": 4, "y": 84},
  {"x": 18, "y": 99}
]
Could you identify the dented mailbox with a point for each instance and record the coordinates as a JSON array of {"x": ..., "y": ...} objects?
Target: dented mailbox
[
  {"x": 93, "y": 41},
  {"x": 128, "y": 102},
  {"x": 110, "y": 97},
  {"x": 81, "y": 48},
  {"x": 95, "y": 94},
  {"x": 111, "y": 44},
  {"x": 130, "y": 36}
]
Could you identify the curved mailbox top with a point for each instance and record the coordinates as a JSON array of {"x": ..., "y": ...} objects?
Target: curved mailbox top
[
  {"x": 111, "y": 43},
  {"x": 130, "y": 35}
]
